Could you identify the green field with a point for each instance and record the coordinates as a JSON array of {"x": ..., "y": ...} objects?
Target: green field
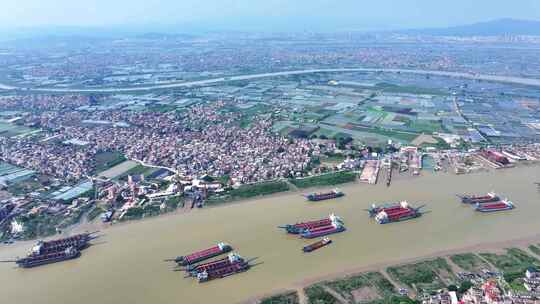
[
  {"x": 317, "y": 295},
  {"x": 514, "y": 261},
  {"x": 107, "y": 160},
  {"x": 329, "y": 179},
  {"x": 10, "y": 130},
  {"x": 534, "y": 249},
  {"x": 469, "y": 262},
  {"x": 372, "y": 285},
  {"x": 393, "y": 88},
  {"x": 286, "y": 298},
  {"x": 427, "y": 275}
]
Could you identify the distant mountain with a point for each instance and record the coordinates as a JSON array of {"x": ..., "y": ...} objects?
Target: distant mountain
[
  {"x": 499, "y": 27},
  {"x": 164, "y": 36}
]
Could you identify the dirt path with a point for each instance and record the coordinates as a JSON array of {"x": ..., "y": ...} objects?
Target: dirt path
[
  {"x": 336, "y": 295},
  {"x": 455, "y": 268},
  {"x": 302, "y": 298},
  {"x": 397, "y": 286}
]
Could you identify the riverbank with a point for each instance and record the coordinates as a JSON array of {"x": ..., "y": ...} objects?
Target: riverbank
[
  {"x": 111, "y": 271},
  {"x": 494, "y": 247}
]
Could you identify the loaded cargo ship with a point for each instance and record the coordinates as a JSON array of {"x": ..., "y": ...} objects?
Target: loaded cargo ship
[
  {"x": 495, "y": 206},
  {"x": 232, "y": 258},
  {"x": 388, "y": 207},
  {"x": 317, "y": 245},
  {"x": 475, "y": 199},
  {"x": 79, "y": 242},
  {"x": 397, "y": 214},
  {"x": 301, "y": 227},
  {"x": 202, "y": 255},
  {"x": 315, "y": 197},
  {"x": 223, "y": 272},
  {"x": 48, "y": 258},
  {"x": 335, "y": 227}
]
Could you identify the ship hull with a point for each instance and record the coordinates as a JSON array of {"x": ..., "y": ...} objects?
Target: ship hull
[
  {"x": 401, "y": 219},
  {"x": 182, "y": 261},
  {"x": 472, "y": 200},
  {"x": 315, "y": 246},
  {"x": 311, "y": 235},
  {"x": 323, "y": 197},
  {"x": 49, "y": 261},
  {"x": 486, "y": 210}
]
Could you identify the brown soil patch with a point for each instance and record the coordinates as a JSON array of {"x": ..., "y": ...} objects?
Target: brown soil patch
[{"x": 365, "y": 294}]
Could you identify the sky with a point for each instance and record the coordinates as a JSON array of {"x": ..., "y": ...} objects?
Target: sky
[{"x": 265, "y": 15}]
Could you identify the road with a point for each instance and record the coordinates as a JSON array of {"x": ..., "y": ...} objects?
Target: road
[{"x": 502, "y": 79}]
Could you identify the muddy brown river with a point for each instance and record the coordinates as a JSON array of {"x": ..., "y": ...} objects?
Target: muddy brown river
[{"x": 127, "y": 265}]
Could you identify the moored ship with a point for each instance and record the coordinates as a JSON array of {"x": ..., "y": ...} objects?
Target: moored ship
[
  {"x": 475, "y": 199},
  {"x": 301, "y": 227},
  {"x": 495, "y": 206},
  {"x": 48, "y": 258},
  {"x": 315, "y": 197},
  {"x": 79, "y": 242},
  {"x": 231, "y": 259},
  {"x": 317, "y": 245},
  {"x": 388, "y": 207},
  {"x": 202, "y": 255},
  {"x": 223, "y": 272},
  {"x": 334, "y": 227},
  {"x": 403, "y": 213}
]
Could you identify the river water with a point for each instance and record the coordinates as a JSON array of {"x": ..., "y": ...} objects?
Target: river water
[{"x": 127, "y": 266}]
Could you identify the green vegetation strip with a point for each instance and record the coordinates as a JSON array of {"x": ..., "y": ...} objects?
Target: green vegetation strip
[
  {"x": 425, "y": 275},
  {"x": 316, "y": 294},
  {"x": 251, "y": 190},
  {"x": 469, "y": 262},
  {"x": 325, "y": 180},
  {"x": 371, "y": 280},
  {"x": 513, "y": 264},
  {"x": 535, "y": 249},
  {"x": 286, "y": 298}
]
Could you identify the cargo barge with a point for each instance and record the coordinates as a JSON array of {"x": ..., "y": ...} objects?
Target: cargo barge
[
  {"x": 315, "y": 197},
  {"x": 301, "y": 227},
  {"x": 232, "y": 258},
  {"x": 202, "y": 255},
  {"x": 388, "y": 207},
  {"x": 47, "y": 258},
  {"x": 223, "y": 272},
  {"x": 495, "y": 206},
  {"x": 475, "y": 199},
  {"x": 397, "y": 214},
  {"x": 335, "y": 227},
  {"x": 317, "y": 245},
  {"x": 79, "y": 242}
]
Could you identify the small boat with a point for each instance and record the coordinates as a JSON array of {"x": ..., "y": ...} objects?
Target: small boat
[
  {"x": 202, "y": 255},
  {"x": 107, "y": 216},
  {"x": 315, "y": 197},
  {"x": 301, "y": 227},
  {"x": 495, "y": 206},
  {"x": 475, "y": 199},
  {"x": 317, "y": 245}
]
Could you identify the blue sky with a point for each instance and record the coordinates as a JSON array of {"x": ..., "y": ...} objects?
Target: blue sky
[{"x": 263, "y": 15}]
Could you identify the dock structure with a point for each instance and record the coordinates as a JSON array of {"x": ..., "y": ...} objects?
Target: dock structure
[
  {"x": 370, "y": 172},
  {"x": 389, "y": 176}
]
